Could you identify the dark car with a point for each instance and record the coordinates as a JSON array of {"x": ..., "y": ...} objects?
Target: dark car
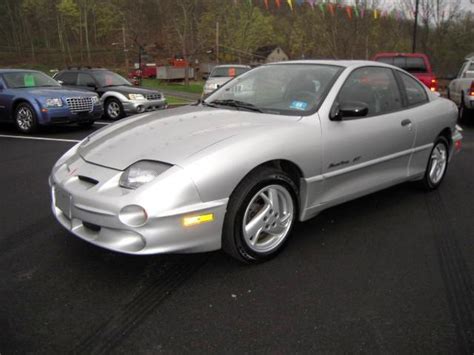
[
  {"x": 31, "y": 98},
  {"x": 119, "y": 96}
]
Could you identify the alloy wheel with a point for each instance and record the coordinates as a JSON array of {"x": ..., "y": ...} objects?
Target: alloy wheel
[
  {"x": 113, "y": 109},
  {"x": 438, "y": 163},
  {"x": 24, "y": 118},
  {"x": 268, "y": 218}
]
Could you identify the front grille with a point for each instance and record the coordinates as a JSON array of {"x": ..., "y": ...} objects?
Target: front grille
[
  {"x": 80, "y": 104},
  {"x": 153, "y": 96}
]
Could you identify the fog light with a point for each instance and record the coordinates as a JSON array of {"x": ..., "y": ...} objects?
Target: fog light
[
  {"x": 140, "y": 109},
  {"x": 133, "y": 216},
  {"x": 194, "y": 220}
]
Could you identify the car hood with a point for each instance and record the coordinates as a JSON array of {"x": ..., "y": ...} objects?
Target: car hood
[
  {"x": 219, "y": 80},
  {"x": 56, "y": 92},
  {"x": 171, "y": 136},
  {"x": 125, "y": 89}
]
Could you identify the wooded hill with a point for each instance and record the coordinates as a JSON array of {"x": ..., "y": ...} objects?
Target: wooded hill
[{"x": 56, "y": 33}]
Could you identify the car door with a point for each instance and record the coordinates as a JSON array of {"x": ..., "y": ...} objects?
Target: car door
[
  {"x": 86, "y": 82},
  {"x": 364, "y": 154},
  {"x": 424, "y": 118},
  {"x": 455, "y": 85}
]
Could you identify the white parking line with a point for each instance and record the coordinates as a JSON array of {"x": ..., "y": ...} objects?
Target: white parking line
[{"x": 40, "y": 138}]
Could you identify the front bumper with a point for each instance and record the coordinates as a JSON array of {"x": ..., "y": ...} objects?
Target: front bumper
[
  {"x": 140, "y": 106},
  {"x": 92, "y": 214},
  {"x": 62, "y": 115}
]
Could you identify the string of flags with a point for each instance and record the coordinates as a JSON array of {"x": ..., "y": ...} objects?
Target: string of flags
[{"x": 333, "y": 8}]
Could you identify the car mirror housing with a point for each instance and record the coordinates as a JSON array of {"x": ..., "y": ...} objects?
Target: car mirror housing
[{"x": 348, "y": 110}]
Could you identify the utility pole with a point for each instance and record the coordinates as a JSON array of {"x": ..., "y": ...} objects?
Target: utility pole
[
  {"x": 415, "y": 25},
  {"x": 125, "y": 50},
  {"x": 217, "y": 42}
]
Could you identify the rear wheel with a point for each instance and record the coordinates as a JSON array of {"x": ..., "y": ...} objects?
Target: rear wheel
[
  {"x": 25, "y": 118},
  {"x": 464, "y": 112},
  {"x": 437, "y": 164},
  {"x": 260, "y": 216}
]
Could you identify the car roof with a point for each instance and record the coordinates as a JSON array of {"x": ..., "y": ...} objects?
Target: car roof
[
  {"x": 5, "y": 71},
  {"x": 232, "y": 66},
  {"x": 340, "y": 63}
]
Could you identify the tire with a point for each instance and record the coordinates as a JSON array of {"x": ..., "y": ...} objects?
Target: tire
[
  {"x": 25, "y": 118},
  {"x": 270, "y": 194},
  {"x": 439, "y": 155},
  {"x": 86, "y": 124},
  {"x": 113, "y": 109},
  {"x": 464, "y": 112}
]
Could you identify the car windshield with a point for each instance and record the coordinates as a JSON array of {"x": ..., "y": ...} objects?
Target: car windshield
[
  {"x": 285, "y": 89},
  {"x": 228, "y": 72},
  {"x": 108, "y": 78},
  {"x": 410, "y": 64},
  {"x": 29, "y": 79}
]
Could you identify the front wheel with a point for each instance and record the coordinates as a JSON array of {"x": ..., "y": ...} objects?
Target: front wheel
[
  {"x": 25, "y": 118},
  {"x": 114, "y": 109},
  {"x": 437, "y": 164},
  {"x": 260, "y": 216}
]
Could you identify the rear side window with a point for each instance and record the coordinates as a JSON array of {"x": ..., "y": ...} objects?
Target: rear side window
[
  {"x": 67, "y": 78},
  {"x": 415, "y": 92},
  {"x": 85, "y": 80}
]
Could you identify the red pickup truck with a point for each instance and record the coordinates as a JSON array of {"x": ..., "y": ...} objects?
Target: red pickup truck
[{"x": 417, "y": 64}]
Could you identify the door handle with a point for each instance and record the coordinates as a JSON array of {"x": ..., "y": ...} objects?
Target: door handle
[{"x": 406, "y": 122}]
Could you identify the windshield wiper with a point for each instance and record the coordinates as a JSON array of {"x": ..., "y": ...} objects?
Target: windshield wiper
[
  {"x": 237, "y": 104},
  {"x": 204, "y": 103}
]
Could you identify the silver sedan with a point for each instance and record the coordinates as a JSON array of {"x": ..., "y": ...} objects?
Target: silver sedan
[{"x": 276, "y": 145}]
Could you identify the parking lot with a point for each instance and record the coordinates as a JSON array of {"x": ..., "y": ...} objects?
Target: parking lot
[{"x": 388, "y": 273}]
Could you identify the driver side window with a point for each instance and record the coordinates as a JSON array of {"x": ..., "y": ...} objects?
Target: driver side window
[{"x": 373, "y": 87}]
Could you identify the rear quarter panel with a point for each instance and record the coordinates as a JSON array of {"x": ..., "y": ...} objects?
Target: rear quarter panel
[{"x": 431, "y": 119}]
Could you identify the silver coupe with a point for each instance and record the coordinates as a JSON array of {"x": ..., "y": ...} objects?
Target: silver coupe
[{"x": 277, "y": 144}]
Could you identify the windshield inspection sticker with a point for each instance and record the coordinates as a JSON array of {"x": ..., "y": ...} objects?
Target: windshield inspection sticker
[{"x": 298, "y": 105}]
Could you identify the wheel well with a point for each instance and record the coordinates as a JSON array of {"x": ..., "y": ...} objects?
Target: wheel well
[
  {"x": 446, "y": 133},
  {"x": 15, "y": 105},
  {"x": 290, "y": 168}
]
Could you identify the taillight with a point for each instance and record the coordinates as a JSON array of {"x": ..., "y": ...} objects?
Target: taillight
[
  {"x": 434, "y": 85},
  {"x": 471, "y": 89}
]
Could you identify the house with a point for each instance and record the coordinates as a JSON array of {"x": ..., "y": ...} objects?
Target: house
[{"x": 269, "y": 54}]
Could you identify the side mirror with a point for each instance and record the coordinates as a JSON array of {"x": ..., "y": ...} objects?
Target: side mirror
[
  {"x": 450, "y": 77},
  {"x": 205, "y": 76},
  {"x": 348, "y": 110},
  {"x": 91, "y": 85}
]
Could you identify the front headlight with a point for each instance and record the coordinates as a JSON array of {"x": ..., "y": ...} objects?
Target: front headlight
[
  {"x": 54, "y": 102},
  {"x": 141, "y": 173},
  {"x": 95, "y": 100},
  {"x": 136, "y": 97},
  {"x": 211, "y": 86}
]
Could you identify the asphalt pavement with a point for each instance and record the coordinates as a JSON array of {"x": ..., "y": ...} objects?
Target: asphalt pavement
[{"x": 388, "y": 273}]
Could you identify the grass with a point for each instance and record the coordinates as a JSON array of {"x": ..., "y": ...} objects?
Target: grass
[
  {"x": 194, "y": 87},
  {"x": 171, "y": 100}
]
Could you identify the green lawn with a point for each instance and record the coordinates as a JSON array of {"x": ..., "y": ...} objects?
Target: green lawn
[
  {"x": 193, "y": 87},
  {"x": 171, "y": 100}
]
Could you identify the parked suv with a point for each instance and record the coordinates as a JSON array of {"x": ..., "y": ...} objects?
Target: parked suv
[
  {"x": 461, "y": 89},
  {"x": 31, "y": 98},
  {"x": 416, "y": 64},
  {"x": 119, "y": 96}
]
